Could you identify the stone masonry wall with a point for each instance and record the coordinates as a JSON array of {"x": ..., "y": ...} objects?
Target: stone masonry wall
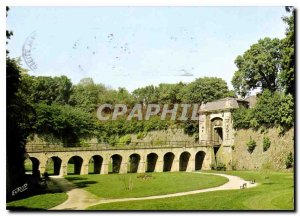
[
  {"x": 273, "y": 158},
  {"x": 175, "y": 134},
  {"x": 166, "y": 135}
]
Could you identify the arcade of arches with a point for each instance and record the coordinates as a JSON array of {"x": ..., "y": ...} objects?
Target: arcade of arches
[{"x": 103, "y": 163}]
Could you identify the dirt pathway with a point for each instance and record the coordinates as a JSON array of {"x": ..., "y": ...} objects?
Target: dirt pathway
[{"x": 79, "y": 199}]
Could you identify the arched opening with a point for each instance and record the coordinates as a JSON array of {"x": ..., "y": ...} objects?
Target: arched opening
[
  {"x": 134, "y": 161},
  {"x": 184, "y": 161},
  {"x": 168, "y": 161},
  {"x": 151, "y": 162},
  {"x": 217, "y": 135},
  {"x": 32, "y": 166},
  {"x": 217, "y": 131},
  {"x": 53, "y": 165},
  {"x": 74, "y": 165},
  {"x": 95, "y": 164},
  {"x": 199, "y": 158},
  {"x": 115, "y": 163}
]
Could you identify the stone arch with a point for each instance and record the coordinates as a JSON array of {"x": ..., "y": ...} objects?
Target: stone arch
[
  {"x": 151, "y": 162},
  {"x": 75, "y": 164},
  {"x": 199, "y": 158},
  {"x": 32, "y": 164},
  {"x": 184, "y": 161},
  {"x": 134, "y": 161},
  {"x": 53, "y": 165},
  {"x": 95, "y": 164},
  {"x": 116, "y": 161},
  {"x": 168, "y": 161}
]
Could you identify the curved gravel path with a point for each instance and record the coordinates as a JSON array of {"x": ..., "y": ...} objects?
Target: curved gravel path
[{"x": 79, "y": 199}]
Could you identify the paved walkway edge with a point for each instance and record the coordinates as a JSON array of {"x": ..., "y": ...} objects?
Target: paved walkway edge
[{"x": 79, "y": 199}]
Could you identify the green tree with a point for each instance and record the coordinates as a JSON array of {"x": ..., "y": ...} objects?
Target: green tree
[
  {"x": 258, "y": 67},
  {"x": 169, "y": 93},
  {"x": 287, "y": 76},
  {"x": 147, "y": 95},
  {"x": 266, "y": 109},
  {"x": 86, "y": 95},
  {"x": 124, "y": 97},
  {"x": 51, "y": 89},
  {"x": 242, "y": 118},
  {"x": 204, "y": 90},
  {"x": 65, "y": 122}
]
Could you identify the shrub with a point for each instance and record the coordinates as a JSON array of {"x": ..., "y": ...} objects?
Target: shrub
[
  {"x": 141, "y": 135},
  {"x": 289, "y": 162},
  {"x": 113, "y": 140},
  {"x": 251, "y": 145},
  {"x": 218, "y": 166},
  {"x": 286, "y": 111},
  {"x": 272, "y": 109},
  {"x": 221, "y": 166},
  {"x": 125, "y": 140},
  {"x": 242, "y": 118},
  {"x": 266, "y": 143}
]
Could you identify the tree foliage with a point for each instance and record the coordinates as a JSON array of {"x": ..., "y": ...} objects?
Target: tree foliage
[
  {"x": 51, "y": 89},
  {"x": 251, "y": 144},
  {"x": 258, "y": 67},
  {"x": 266, "y": 143},
  {"x": 204, "y": 90},
  {"x": 65, "y": 122},
  {"x": 287, "y": 76},
  {"x": 86, "y": 95},
  {"x": 272, "y": 109}
]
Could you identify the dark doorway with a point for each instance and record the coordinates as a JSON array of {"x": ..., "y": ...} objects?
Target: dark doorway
[
  {"x": 53, "y": 165},
  {"x": 218, "y": 136},
  {"x": 32, "y": 165},
  {"x": 151, "y": 162},
  {"x": 199, "y": 158},
  {"x": 75, "y": 165},
  {"x": 134, "y": 161},
  {"x": 184, "y": 161},
  {"x": 116, "y": 161},
  {"x": 95, "y": 164},
  {"x": 168, "y": 161}
]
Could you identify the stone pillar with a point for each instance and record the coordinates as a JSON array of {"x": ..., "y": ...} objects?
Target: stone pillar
[
  {"x": 84, "y": 169},
  {"x": 191, "y": 165},
  {"x": 175, "y": 165},
  {"x": 208, "y": 159},
  {"x": 42, "y": 168},
  {"x": 60, "y": 170},
  {"x": 142, "y": 167},
  {"x": 104, "y": 168},
  {"x": 123, "y": 167},
  {"x": 159, "y": 166},
  {"x": 63, "y": 170}
]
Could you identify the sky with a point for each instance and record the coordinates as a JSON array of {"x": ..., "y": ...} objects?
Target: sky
[{"x": 133, "y": 47}]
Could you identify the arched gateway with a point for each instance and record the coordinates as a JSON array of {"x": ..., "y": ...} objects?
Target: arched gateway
[{"x": 216, "y": 127}]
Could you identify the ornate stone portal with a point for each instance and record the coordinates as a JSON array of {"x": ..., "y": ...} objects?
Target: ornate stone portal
[{"x": 216, "y": 128}]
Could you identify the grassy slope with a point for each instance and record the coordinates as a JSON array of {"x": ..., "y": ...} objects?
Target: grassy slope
[
  {"x": 274, "y": 192},
  {"x": 112, "y": 186},
  {"x": 38, "y": 202}
]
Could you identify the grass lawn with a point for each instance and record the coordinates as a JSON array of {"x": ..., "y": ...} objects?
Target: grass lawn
[
  {"x": 114, "y": 185},
  {"x": 274, "y": 192},
  {"x": 38, "y": 202}
]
